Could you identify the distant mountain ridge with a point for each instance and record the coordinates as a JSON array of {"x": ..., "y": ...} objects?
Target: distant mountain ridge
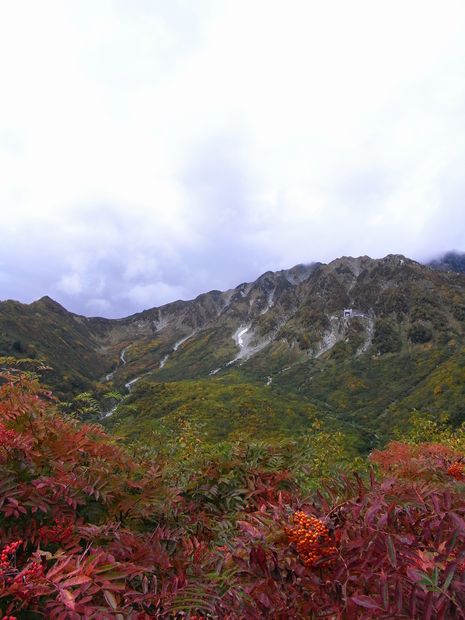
[
  {"x": 287, "y": 330},
  {"x": 81, "y": 349}
]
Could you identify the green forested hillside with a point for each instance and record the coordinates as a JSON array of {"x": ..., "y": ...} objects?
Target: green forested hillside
[{"x": 217, "y": 409}]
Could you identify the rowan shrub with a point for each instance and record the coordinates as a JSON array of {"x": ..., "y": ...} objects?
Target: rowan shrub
[
  {"x": 88, "y": 530},
  {"x": 63, "y": 485}
]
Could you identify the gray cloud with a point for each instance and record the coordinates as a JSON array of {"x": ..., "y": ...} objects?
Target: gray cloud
[{"x": 154, "y": 150}]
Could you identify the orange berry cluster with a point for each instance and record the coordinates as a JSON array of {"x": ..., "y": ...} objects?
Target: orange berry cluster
[
  {"x": 457, "y": 471},
  {"x": 311, "y": 538},
  {"x": 6, "y": 552}
]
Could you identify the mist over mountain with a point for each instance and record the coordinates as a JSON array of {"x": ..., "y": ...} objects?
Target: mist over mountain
[{"x": 451, "y": 261}]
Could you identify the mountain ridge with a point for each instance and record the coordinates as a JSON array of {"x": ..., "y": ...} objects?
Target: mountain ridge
[
  {"x": 292, "y": 317},
  {"x": 453, "y": 261}
]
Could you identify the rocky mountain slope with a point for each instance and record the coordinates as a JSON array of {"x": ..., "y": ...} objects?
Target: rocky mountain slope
[
  {"x": 358, "y": 338},
  {"x": 348, "y": 308}
]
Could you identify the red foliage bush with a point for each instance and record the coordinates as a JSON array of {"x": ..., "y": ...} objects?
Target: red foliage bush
[
  {"x": 70, "y": 494},
  {"x": 428, "y": 461},
  {"x": 87, "y": 532}
]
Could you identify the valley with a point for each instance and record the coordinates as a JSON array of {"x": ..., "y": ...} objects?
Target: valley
[{"x": 362, "y": 341}]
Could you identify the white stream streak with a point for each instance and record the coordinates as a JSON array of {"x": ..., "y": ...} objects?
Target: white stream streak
[
  {"x": 239, "y": 337},
  {"x": 175, "y": 348},
  {"x": 130, "y": 383},
  {"x": 239, "y": 340},
  {"x": 110, "y": 375},
  {"x": 122, "y": 355}
]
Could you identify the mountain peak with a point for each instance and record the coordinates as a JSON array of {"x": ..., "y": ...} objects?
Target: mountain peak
[
  {"x": 47, "y": 304},
  {"x": 48, "y": 301}
]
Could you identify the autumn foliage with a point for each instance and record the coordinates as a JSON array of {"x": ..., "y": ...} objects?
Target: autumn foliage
[{"x": 89, "y": 531}]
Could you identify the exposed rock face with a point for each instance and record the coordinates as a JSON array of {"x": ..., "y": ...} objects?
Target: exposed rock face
[{"x": 395, "y": 304}]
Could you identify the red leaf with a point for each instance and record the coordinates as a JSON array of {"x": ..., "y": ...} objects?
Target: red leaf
[
  {"x": 67, "y": 598},
  {"x": 458, "y": 521},
  {"x": 428, "y": 606},
  {"x": 391, "y": 552},
  {"x": 249, "y": 529},
  {"x": 364, "y": 601},
  {"x": 110, "y": 599},
  {"x": 76, "y": 581},
  {"x": 258, "y": 556},
  {"x": 371, "y": 512}
]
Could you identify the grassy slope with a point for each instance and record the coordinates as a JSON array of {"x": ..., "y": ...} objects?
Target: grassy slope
[{"x": 220, "y": 409}]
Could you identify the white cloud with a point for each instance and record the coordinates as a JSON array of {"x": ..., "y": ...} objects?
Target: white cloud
[
  {"x": 158, "y": 293},
  {"x": 140, "y": 266},
  {"x": 98, "y": 306},
  {"x": 151, "y": 149},
  {"x": 71, "y": 284}
]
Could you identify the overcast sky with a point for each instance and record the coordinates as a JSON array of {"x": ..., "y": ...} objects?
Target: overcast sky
[{"x": 151, "y": 150}]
